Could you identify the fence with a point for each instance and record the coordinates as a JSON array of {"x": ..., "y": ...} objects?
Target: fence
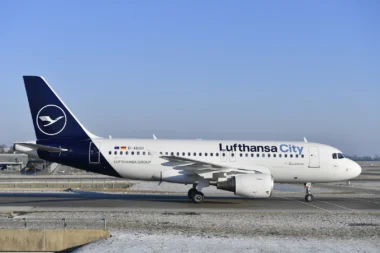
[
  {"x": 61, "y": 182},
  {"x": 52, "y": 223}
]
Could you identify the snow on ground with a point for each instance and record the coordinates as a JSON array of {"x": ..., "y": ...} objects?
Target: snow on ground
[
  {"x": 137, "y": 242},
  {"x": 322, "y": 226}
]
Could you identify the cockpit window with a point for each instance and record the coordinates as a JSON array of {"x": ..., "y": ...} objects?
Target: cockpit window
[{"x": 337, "y": 156}]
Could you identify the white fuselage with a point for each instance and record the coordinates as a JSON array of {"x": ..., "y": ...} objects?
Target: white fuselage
[{"x": 288, "y": 162}]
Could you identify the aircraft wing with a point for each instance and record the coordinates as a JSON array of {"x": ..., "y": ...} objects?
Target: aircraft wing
[
  {"x": 41, "y": 147},
  {"x": 193, "y": 166}
]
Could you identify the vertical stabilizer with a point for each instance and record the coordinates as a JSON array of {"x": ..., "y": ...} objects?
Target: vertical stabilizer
[{"x": 51, "y": 117}]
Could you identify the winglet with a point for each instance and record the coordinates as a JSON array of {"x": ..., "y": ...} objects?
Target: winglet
[
  {"x": 304, "y": 139},
  {"x": 154, "y": 137}
]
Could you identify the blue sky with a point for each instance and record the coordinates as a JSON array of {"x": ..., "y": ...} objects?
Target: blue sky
[{"x": 255, "y": 70}]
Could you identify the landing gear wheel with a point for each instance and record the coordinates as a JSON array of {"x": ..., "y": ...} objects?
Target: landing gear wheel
[
  {"x": 198, "y": 197},
  {"x": 309, "y": 197},
  {"x": 191, "y": 192}
]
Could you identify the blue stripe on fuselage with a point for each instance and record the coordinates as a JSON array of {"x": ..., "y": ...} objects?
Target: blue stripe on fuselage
[{"x": 78, "y": 157}]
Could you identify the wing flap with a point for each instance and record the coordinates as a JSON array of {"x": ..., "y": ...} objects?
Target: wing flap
[
  {"x": 193, "y": 162},
  {"x": 199, "y": 167}
]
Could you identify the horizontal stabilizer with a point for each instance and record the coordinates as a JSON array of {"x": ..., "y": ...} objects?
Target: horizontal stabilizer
[{"x": 40, "y": 147}]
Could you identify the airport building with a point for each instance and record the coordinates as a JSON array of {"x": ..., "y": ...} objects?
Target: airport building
[{"x": 13, "y": 161}]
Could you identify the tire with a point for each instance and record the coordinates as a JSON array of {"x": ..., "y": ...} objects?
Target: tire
[
  {"x": 198, "y": 197},
  {"x": 309, "y": 198},
  {"x": 191, "y": 192}
]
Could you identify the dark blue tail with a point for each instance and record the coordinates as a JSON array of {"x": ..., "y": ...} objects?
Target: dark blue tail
[{"x": 51, "y": 118}]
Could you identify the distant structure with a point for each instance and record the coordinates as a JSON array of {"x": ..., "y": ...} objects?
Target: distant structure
[{"x": 13, "y": 161}]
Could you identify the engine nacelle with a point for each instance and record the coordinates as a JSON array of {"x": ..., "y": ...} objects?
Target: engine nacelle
[{"x": 249, "y": 185}]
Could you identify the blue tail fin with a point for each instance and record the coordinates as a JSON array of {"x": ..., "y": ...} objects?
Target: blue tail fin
[{"x": 51, "y": 118}]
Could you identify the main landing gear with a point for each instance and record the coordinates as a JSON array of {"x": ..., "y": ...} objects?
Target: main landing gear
[
  {"x": 195, "y": 195},
  {"x": 309, "y": 197}
]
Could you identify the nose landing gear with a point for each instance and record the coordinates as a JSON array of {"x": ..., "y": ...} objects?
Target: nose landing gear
[{"x": 309, "y": 197}]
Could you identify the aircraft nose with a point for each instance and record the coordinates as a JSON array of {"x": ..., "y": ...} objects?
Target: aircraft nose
[{"x": 356, "y": 170}]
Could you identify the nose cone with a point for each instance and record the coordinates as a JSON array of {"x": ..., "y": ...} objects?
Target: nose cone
[{"x": 356, "y": 169}]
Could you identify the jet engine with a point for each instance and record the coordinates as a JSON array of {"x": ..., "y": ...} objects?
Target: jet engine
[{"x": 248, "y": 185}]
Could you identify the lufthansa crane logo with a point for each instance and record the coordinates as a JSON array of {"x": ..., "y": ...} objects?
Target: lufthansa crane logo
[{"x": 51, "y": 119}]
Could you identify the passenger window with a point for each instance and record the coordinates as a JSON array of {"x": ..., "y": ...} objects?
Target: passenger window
[
  {"x": 110, "y": 152},
  {"x": 211, "y": 154},
  {"x": 138, "y": 153},
  {"x": 246, "y": 154},
  {"x": 126, "y": 152},
  {"x": 166, "y": 153},
  {"x": 274, "y": 155},
  {"x": 241, "y": 154},
  {"x": 257, "y": 155},
  {"x": 172, "y": 153},
  {"x": 302, "y": 156},
  {"x": 200, "y": 154},
  {"x": 183, "y": 153},
  {"x": 115, "y": 153},
  {"x": 195, "y": 154},
  {"x": 223, "y": 154},
  {"x": 291, "y": 156},
  {"x": 268, "y": 155},
  {"x": 132, "y": 153},
  {"x": 148, "y": 153},
  {"x": 285, "y": 155},
  {"x": 160, "y": 153},
  {"x": 334, "y": 156},
  {"x": 340, "y": 156},
  {"x": 205, "y": 154},
  {"x": 263, "y": 155},
  {"x": 279, "y": 155},
  {"x": 189, "y": 154},
  {"x": 177, "y": 153},
  {"x": 144, "y": 153},
  {"x": 217, "y": 154},
  {"x": 252, "y": 155},
  {"x": 296, "y": 156},
  {"x": 232, "y": 154},
  {"x": 121, "y": 152}
]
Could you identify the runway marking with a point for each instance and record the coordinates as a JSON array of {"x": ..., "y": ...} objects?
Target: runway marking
[
  {"x": 341, "y": 206},
  {"x": 307, "y": 204},
  {"x": 363, "y": 200}
]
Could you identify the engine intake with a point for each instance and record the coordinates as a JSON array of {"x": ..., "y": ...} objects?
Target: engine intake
[{"x": 249, "y": 185}]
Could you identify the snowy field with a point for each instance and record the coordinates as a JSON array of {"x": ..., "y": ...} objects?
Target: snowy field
[
  {"x": 153, "y": 231},
  {"x": 243, "y": 232},
  {"x": 240, "y": 232},
  {"x": 135, "y": 242}
]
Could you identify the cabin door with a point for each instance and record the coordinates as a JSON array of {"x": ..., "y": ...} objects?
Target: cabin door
[
  {"x": 313, "y": 157},
  {"x": 94, "y": 153}
]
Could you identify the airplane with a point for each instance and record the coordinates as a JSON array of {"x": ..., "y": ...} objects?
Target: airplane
[{"x": 246, "y": 168}]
